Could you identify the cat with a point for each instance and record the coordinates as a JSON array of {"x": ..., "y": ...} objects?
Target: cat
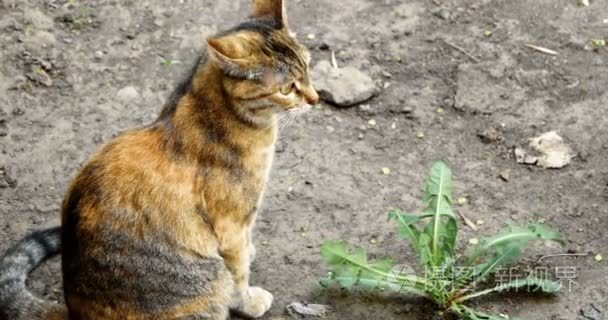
[{"x": 158, "y": 223}]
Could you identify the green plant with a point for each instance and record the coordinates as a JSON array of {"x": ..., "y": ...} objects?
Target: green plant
[
  {"x": 167, "y": 62},
  {"x": 450, "y": 281}
]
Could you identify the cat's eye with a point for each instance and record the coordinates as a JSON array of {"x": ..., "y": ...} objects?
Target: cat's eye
[{"x": 288, "y": 88}]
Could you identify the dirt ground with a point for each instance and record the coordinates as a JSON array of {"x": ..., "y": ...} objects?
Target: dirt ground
[{"x": 75, "y": 73}]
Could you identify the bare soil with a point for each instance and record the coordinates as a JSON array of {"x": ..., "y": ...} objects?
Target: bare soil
[{"x": 456, "y": 71}]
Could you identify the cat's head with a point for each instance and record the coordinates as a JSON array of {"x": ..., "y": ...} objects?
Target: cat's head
[{"x": 265, "y": 69}]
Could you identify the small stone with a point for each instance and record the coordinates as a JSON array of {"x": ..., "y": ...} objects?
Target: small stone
[
  {"x": 407, "y": 110},
  {"x": 372, "y": 123},
  {"x": 490, "y": 135},
  {"x": 330, "y": 129},
  {"x": 556, "y": 153},
  {"x": 324, "y": 46},
  {"x": 474, "y": 241},
  {"x": 5, "y": 180},
  {"x": 522, "y": 157},
  {"x": 386, "y": 171},
  {"x": 311, "y": 36},
  {"x": 505, "y": 175},
  {"x": 39, "y": 76},
  {"x": 480, "y": 222},
  {"x": 18, "y": 111},
  {"x": 442, "y": 13},
  {"x": 599, "y": 258},
  {"x": 128, "y": 94},
  {"x": 99, "y": 55},
  {"x": 365, "y": 108},
  {"x": 592, "y": 312},
  {"x": 343, "y": 87},
  {"x": 420, "y": 135},
  {"x": 583, "y": 3},
  {"x": 462, "y": 201}
]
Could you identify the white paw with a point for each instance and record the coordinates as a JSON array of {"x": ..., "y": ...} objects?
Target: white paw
[{"x": 257, "y": 302}]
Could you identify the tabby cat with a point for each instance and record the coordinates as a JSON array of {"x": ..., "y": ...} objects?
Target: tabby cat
[{"x": 158, "y": 223}]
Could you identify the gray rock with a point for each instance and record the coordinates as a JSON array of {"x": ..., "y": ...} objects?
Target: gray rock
[
  {"x": 40, "y": 77},
  {"x": 442, "y": 13},
  {"x": 343, "y": 87},
  {"x": 128, "y": 94},
  {"x": 591, "y": 312},
  {"x": 556, "y": 154}
]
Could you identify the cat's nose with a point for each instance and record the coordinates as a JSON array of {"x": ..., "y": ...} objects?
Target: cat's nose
[{"x": 311, "y": 95}]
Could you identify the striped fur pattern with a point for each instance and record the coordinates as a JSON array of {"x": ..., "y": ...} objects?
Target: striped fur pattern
[
  {"x": 16, "y": 302},
  {"x": 158, "y": 223}
]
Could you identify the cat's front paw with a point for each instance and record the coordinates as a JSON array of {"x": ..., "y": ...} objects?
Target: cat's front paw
[{"x": 256, "y": 302}]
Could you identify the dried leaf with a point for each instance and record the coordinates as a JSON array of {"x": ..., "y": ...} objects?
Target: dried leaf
[{"x": 542, "y": 49}]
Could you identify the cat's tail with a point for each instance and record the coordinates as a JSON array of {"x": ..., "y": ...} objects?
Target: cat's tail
[{"x": 16, "y": 302}]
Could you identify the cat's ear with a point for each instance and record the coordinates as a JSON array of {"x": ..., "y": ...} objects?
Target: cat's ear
[
  {"x": 271, "y": 8},
  {"x": 229, "y": 54}
]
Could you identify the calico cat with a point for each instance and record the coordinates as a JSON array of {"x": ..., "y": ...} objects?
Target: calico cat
[{"x": 158, "y": 223}]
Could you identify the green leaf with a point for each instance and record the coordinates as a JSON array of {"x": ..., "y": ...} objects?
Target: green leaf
[
  {"x": 351, "y": 268},
  {"x": 426, "y": 255},
  {"x": 532, "y": 284},
  {"x": 513, "y": 237},
  {"x": 438, "y": 196},
  {"x": 504, "y": 256},
  {"x": 376, "y": 276},
  {"x": 407, "y": 229},
  {"x": 470, "y": 314},
  {"x": 439, "y": 182}
]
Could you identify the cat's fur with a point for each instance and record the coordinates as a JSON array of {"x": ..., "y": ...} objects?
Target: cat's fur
[{"x": 158, "y": 223}]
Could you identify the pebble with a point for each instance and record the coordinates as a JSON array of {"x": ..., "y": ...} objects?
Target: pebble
[
  {"x": 324, "y": 46},
  {"x": 490, "y": 135},
  {"x": 407, "y": 110},
  {"x": 592, "y": 312},
  {"x": 343, "y": 87},
  {"x": 505, "y": 175},
  {"x": 128, "y": 94},
  {"x": 442, "y": 13}
]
